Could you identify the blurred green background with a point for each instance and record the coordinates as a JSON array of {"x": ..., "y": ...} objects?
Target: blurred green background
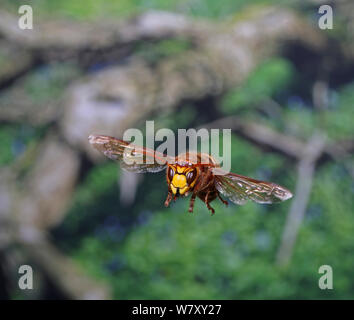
[{"x": 146, "y": 251}]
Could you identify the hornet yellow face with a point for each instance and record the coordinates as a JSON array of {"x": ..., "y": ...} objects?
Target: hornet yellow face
[{"x": 181, "y": 179}]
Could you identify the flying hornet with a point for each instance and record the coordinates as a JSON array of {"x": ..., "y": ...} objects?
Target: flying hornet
[{"x": 192, "y": 173}]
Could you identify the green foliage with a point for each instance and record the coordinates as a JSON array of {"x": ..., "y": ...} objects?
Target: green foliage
[
  {"x": 338, "y": 119},
  {"x": 270, "y": 78},
  {"x": 154, "y": 52},
  {"x": 213, "y": 9},
  {"x": 98, "y": 9},
  {"x": 6, "y": 137},
  {"x": 180, "y": 119},
  {"x": 15, "y": 139},
  {"x": 79, "y": 9}
]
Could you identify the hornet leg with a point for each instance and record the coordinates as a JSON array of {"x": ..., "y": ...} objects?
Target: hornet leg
[
  {"x": 168, "y": 199},
  {"x": 207, "y": 203},
  {"x": 222, "y": 200},
  {"x": 191, "y": 203}
]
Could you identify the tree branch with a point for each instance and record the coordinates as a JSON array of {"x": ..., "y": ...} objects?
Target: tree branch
[{"x": 306, "y": 169}]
